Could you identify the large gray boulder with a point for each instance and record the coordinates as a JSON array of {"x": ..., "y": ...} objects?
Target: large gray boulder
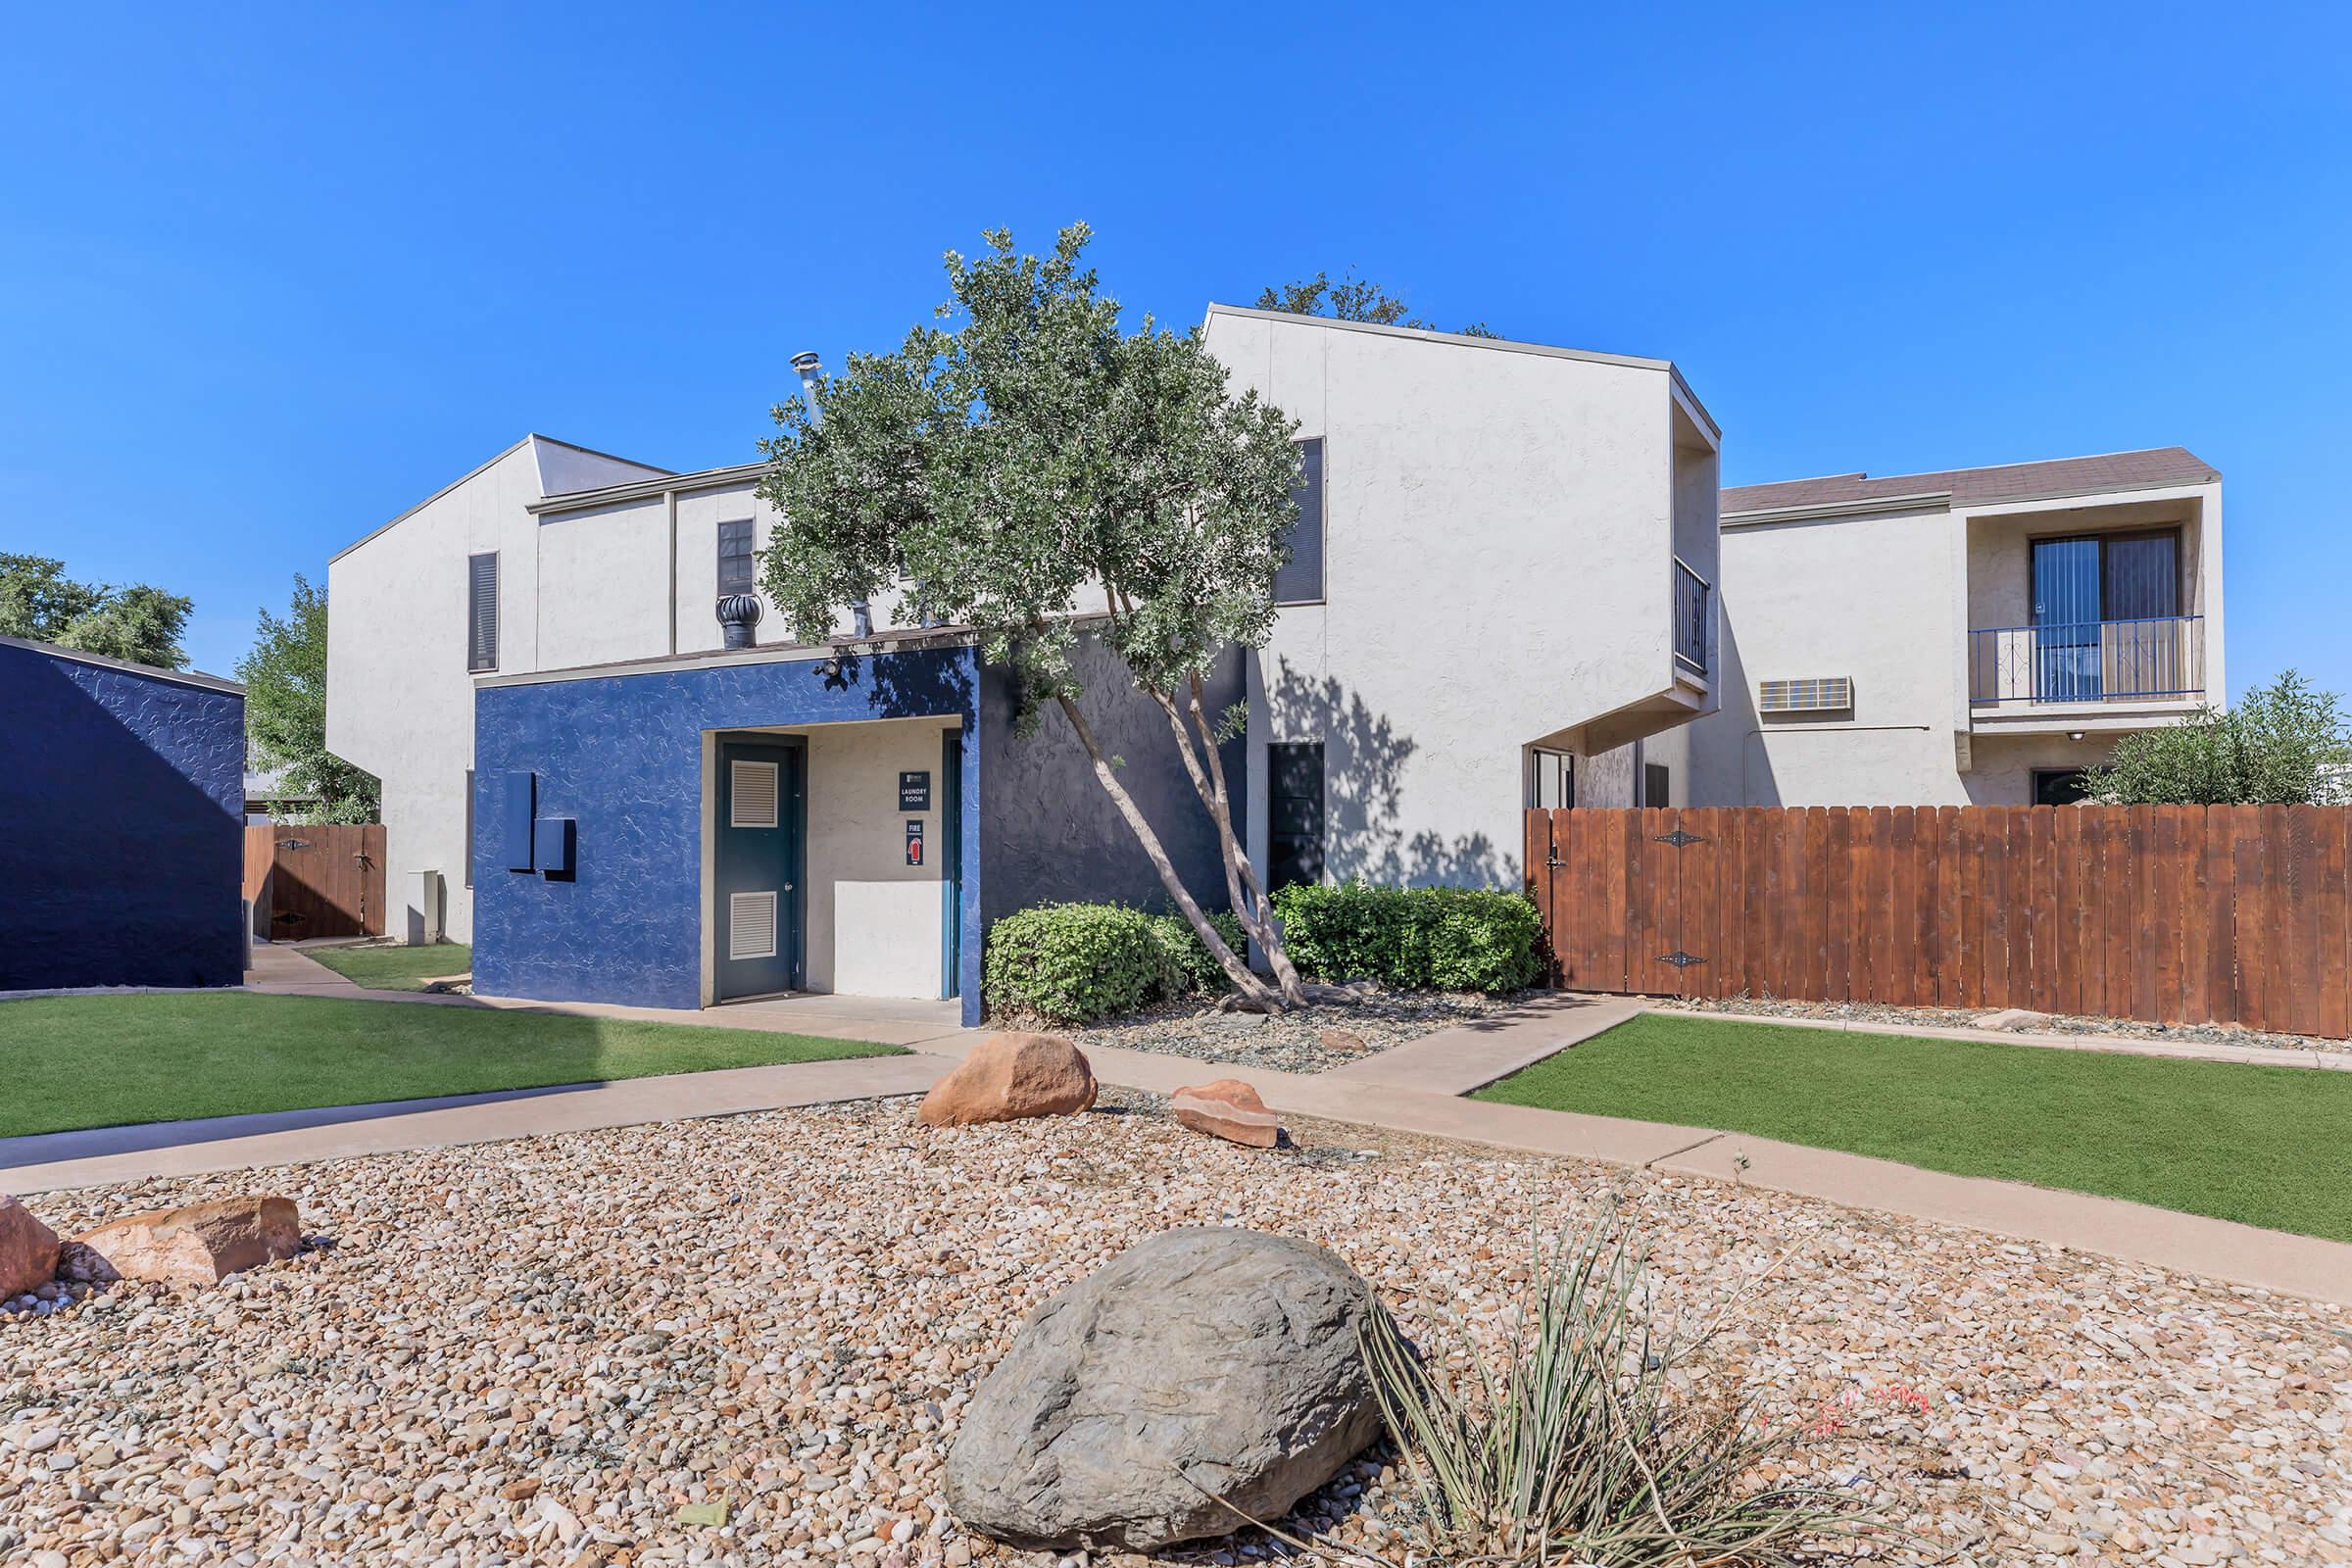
[{"x": 1229, "y": 1357}]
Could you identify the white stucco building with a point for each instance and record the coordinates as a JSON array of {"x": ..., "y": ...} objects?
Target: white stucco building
[
  {"x": 1515, "y": 582},
  {"x": 530, "y": 661},
  {"x": 1974, "y": 636}
]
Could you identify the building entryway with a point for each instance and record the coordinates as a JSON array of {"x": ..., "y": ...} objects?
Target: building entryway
[{"x": 758, "y": 865}]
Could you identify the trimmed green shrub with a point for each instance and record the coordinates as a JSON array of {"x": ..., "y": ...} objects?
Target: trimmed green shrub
[
  {"x": 1076, "y": 963},
  {"x": 1450, "y": 939},
  {"x": 1191, "y": 955}
]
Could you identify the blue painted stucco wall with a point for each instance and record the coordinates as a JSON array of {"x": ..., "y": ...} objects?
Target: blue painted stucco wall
[
  {"x": 121, "y": 826},
  {"x": 622, "y": 757}
]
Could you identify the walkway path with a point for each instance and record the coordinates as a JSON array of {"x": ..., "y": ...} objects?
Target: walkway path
[{"x": 1416, "y": 1088}]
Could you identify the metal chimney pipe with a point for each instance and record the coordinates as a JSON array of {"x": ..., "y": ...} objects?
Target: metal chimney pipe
[{"x": 811, "y": 367}]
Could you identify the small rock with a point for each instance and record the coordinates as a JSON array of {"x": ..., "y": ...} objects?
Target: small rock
[
  {"x": 1346, "y": 1040},
  {"x": 1227, "y": 1108},
  {"x": 1010, "y": 1077},
  {"x": 2015, "y": 1019}
]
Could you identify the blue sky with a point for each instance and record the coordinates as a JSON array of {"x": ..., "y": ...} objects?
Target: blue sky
[{"x": 269, "y": 275}]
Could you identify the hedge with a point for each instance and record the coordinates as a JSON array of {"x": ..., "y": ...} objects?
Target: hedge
[
  {"x": 1447, "y": 939},
  {"x": 1077, "y": 962}
]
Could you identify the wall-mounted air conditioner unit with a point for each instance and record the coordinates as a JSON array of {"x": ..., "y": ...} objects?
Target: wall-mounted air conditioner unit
[{"x": 1819, "y": 694}]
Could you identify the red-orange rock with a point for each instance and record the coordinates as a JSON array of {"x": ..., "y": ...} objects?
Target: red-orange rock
[
  {"x": 198, "y": 1245},
  {"x": 1010, "y": 1077},
  {"x": 1227, "y": 1108},
  {"x": 28, "y": 1250}
]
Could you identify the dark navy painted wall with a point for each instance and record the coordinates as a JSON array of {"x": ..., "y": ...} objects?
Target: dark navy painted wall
[
  {"x": 1049, "y": 832},
  {"x": 121, "y": 826},
  {"x": 622, "y": 756}
]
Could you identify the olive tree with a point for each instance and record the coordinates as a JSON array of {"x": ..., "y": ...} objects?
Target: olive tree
[
  {"x": 1031, "y": 469},
  {"x": 2284, "y": 744}
]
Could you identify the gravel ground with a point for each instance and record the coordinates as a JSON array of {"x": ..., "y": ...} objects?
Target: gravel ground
[
  {"x": 1313, "y": 1039},
  {"x": 2199, "y": 1034},
  {"x": 542, "y": 1352}
]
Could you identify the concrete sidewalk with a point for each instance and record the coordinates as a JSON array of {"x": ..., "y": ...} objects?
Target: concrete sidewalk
[{"x": 1416, "y": 1088}]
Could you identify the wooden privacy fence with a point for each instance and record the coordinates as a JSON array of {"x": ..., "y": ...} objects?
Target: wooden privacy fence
[
  {"x": 316, "y": 879},
  {"x": 2170, "y": 913}
]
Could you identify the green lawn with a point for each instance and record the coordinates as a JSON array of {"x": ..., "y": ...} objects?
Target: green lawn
[
  {"x": 102, "y": 1062},
  {"x": 391, "y": 968},
  {"x": 2266, "y": 1146}
]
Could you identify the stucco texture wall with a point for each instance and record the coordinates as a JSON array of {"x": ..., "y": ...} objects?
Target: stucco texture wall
[
  {"x": 623, "y": 756},
  {"x": 1499, "y": 552},
  {"x": 1052, "y": 835},
  {"x": 121, "y": 815},
  {"x": 874, "y": 921},
  {"x": 1876, "y": 599}
]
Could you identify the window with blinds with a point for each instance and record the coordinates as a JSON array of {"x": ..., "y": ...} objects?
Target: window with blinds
[
  {"x": 1299, "y": 582},
  {"x": 481, "y": 611}
]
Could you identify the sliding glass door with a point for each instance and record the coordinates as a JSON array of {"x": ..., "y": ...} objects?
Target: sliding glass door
[{"x": 2102, "y": 605}]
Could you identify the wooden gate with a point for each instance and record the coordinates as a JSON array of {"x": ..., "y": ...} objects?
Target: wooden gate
[
  {"x": 2173, "y": 914},
  {"x": 316, "y": 879}
]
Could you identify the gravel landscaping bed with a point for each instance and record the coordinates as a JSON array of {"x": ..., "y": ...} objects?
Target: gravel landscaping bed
[
  {"x": 1313, "y": 1039},
  {"x": 580, "y": 1349},
  {"x": 2200, "y": 1034}
]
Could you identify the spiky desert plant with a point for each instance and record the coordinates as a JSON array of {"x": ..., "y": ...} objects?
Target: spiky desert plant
[{"x": 1578, "y": 1446}]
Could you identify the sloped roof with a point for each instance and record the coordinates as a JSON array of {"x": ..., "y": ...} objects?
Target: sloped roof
[{"x": 2009, "y": 481}]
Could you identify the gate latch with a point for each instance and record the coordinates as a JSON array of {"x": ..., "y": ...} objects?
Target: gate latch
[
  {"x": 1680, "y": 960},
  {"x": 1678, "y": 838}
]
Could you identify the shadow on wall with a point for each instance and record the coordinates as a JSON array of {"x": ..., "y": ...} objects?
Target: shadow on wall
[
  {"x": 122, "y": 841},
  {"x": 902, "y": 687},
  {"x": 1363, "y": 784}
]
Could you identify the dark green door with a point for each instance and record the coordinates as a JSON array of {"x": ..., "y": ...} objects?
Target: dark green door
[{"x": 755, "y": 865}]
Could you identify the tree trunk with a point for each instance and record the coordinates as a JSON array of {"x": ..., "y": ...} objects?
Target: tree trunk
[
  {"x": 1239, "y": 870},
  {"x": 1252, "y": 988}
]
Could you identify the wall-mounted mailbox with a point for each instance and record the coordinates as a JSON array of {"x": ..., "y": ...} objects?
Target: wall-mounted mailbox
[
  {"x": 554, "y": 841},
  {"x": 516, "y": 810}
]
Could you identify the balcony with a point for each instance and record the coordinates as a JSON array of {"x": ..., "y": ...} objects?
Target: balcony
[
  {"x": 1690, "y": 592},
  {"x": 2151, "y": 661}
]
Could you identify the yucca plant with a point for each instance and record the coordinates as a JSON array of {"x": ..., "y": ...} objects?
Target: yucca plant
[{"x": 1579, "y": 1447}]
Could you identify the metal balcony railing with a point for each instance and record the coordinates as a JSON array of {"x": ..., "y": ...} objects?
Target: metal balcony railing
[
  {"x": 2088, "y": 662},
  {"x": 1690, "y": 592}
]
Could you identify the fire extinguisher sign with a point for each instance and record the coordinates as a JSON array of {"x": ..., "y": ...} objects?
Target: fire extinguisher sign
[{"x": 914, "y": 841}]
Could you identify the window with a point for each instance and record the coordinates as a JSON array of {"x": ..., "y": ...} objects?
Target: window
[
  {"x": 481, "y": 611},
  {"x": 1656, "y": 784},
  {"x": 1556, "y": 781},
  {"x": 470, "y": 827},
  {"x": 1294, "y": 813},
  {"x": 2082, "y": 583},
  {"x": 735, "y": 574},
  {"x": 1301, "y": 581},
  {"x": 2059, "y": 786}
]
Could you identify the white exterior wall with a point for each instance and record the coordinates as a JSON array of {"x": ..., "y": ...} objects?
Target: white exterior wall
[
  {"x": 1888, "y": 598},
  {"x": 400, "y": 699},
  {"x": 1500, "y": 525}
]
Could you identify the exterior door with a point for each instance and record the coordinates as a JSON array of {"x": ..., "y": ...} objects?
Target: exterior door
[
  {"x": 2066, "y": 620},
  {"x": 757, "y": 866}
]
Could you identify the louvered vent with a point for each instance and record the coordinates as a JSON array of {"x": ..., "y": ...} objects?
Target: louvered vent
[
  {"x": 1823, "y": 694},
  {"x": 752, "y": 789},
  {"x": 481, "y": 611},
  {"x": 751, "y": 926}
]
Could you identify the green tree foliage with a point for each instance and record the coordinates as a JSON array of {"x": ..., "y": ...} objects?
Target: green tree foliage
[
  {"x": 285, "y": 712},
  {"x": 1353, "y": 299},
  {"x": 1025, "y": 462},
  {"x": 2282, "y": 745},
  {"x": 138, "y": 623}
]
